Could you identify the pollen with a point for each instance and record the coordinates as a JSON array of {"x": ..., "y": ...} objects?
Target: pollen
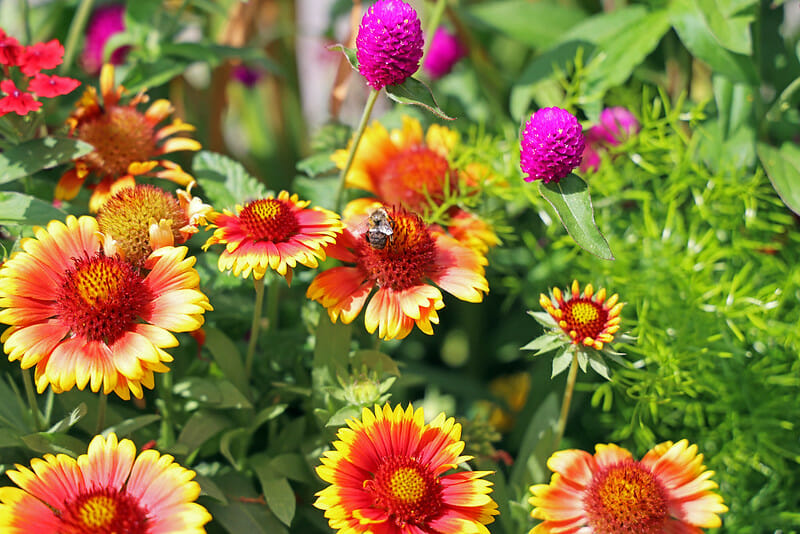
[
  {"x": 100, "y": 297},
  {"x": 104, "y": 511},
  {"x": 409, "y": 492},
  {"x": 407, "y": 485},
  {"x": 97, "y": 512},
  {"x": 269, "y": 219},
  {"x": 626, "y": 499},
  {"x": 120, "y": 136},
  {"x": 412, "y": 174}
]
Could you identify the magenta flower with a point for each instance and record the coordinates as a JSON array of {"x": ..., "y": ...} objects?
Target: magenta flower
[
  {"x": 616, "y": 124},
  {"x": 445, "y": 51},
  {"x": 105, "y": 22},
  {"x": 551, "y": 146},
  {"x": 389, "y": 43},
  {"x": 247, "y": 76}
]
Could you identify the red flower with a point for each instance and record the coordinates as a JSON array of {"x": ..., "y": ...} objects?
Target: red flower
[
  {"x": 50, "y": 86},
  {"x": 18, "y": 101},
  {"x": 10, "y": 49},
  {"x": 41, "y": 56}
]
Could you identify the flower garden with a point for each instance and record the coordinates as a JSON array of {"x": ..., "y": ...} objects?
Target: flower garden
[{"x": 399, "y": 267}]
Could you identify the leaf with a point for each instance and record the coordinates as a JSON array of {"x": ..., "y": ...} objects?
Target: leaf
[
  {"x": 599, "y": 365},
  {"x": 536, "y": 445},
  {"x": 342, "y": 415},
  {"x": 731, "y": 29},
  {"x": 783, "y": 168},
  {"x": 233, "y": 446},
  {"x": 570, "y": 198},
  {"x": 544, "y": 343},
  {"x": 73, "y": 417},
  {"x": 293, "y": 466},
  {"x": 239, "y": 517},
  {"x": 31, "y": 156},
  {"x": 536, "y": 24},
  {"x": 317, "y": 164},
  {"x": 228, "y": 358},
  {"x": 129, "y": 426},
  {"x": 202, "y": 426},
  {"x": 320, "y": 191},
  {"x": 277, "y": 491},
  {"x": 45, "y": 442},
  {"x": 18, "y": 208},
  {"x": 225, "y": 181},
  {"x": 214, "y": 54},
  {"x": 543, "y": 318},
  {"x": 144, "y": 75},
  {"x": 561, "y": 362},
  {"x": 349, "y": 53},
  {"x": 414, "y": 92},
  {"x": 207, "y": 487},
  {"x": 376, "y": 361},
  {"x": 216, "y": 393},
  {"x": 332, "y": 346}
]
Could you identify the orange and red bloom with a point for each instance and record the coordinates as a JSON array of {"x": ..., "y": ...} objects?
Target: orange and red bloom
[
  {"x": 667, "y": 491},
  {"x": 127, "y": 142},
  {"x": 403, "y": 270},
  {"x": 82, "y": 316},
  {"x": 387, "y": 476},
  {"x": 273, "y": 233},
  {"x": 108, "y": 489},
  {"x": 589, "y": 318}
]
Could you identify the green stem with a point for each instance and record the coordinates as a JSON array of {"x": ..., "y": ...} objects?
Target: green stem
[
  {"x": 256, "y": 324},
  {"x": 102, "y": 402},
  {"x": 75, "y": 31},
  {"x": 430, "y": 29},
  {"x": 566, "y": 401},
  {"x": 31, "y": 395},
  {"x": 373, "y": 97},
  {"x": 273, "y": 293},
  {"x": 26, "y": 23},
  {"x": 164, "y": 404}
]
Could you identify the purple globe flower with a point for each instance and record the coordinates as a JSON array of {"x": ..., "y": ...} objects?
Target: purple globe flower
[
  {"x": 616, "y": 124},
  {"x": 105, "y": 22},
  {"x": 552, "y": 145},
  {"x": 445, "y": 51},
  {"x": 389, "y": 43}
]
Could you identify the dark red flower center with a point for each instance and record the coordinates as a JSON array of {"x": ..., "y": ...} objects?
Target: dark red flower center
[
  {"x": 585, "y": 317},
  {"x": 104, "y": 511},
  {"x": 405, "y": 258},
  {"x": 409, "y": 492},
  {"x": 101, "y": 297},
  {"x": 412, "y": 174},
  {"x": 625, "y": 498},
  {"x": 120, "y": 136},
  {"x": 269, "y": 219}
]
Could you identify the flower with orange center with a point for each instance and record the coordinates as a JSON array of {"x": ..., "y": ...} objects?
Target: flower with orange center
[
  {"x": 84, "y": 317},
  {"x": 107, "y": 490},
  {"x": 589, "y": 318},
  {"x": 127, "y": 142},
  {"x": 401, "y": 268},
  {"x": 273, "y": 233},
  {"x": 141, "y": 219},
  {"x": 386, "y": 475},
  {"x": 668, "y": 491}
]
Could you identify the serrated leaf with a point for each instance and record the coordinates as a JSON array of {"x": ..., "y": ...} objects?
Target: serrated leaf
[
  {"x": 561, "y": 362},
  {"x": 225, "y": 181},
  {"x": 783, "y": 169},
  {"x": 416, "y": 93},
  {"x": 570, "y": 198},
  {"x": 349, "y": 53},
  {"x": 18, "y": 208},
  {"x": 31, "y": 156}
]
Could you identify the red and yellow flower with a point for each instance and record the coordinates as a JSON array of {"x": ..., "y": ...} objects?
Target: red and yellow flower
[
  {"x": 127, "y": 143},
  {"x": 667, "y": 491},
  {"x": 403, "y": 270},
  {"x": 108, "y": 489},
  {"x": 387, "y": 476},
  {"x": 589, "y": 318},
  {"x": 81, "y": 316},
  {"x": 273, "y": 233}
]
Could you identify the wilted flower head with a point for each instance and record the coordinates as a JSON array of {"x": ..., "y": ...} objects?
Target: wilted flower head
[
  {"x": 444, "y": 52},
  {"x": 389, "y": 43},
  {"x": 106, "y": 21},
  {"x": 616, "y": 124},
  {"x": 551, "y": 146}
]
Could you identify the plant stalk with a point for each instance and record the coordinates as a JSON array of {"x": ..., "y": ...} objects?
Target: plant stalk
[
  {"x": 75, "y": 29},
  {"x": 255, "y": 325},
  {"x": 566, "y": 401},
  {"x": 362, "y": 125}
]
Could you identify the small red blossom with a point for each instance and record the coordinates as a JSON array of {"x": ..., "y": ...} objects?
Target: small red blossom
[
  {"x": 10, "y": 49},
  {"x": 41, "y": 56},
  {"x": 49, "y": 86},
  {"x": 17, "y": 101}
]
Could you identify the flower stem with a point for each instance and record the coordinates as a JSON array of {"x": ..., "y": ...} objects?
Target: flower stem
[
  {"x": 371, "y": 99},
  {"x": 255, "y": 325},
  {"x": 273, "y": 292},
  {"x": 75, "y": 30},
  {"x": 102, "y": 402},
  {"x": 566, "y": 401},
  {"x": 430, "y": 29},
  {"x": 31, "y": 395}
]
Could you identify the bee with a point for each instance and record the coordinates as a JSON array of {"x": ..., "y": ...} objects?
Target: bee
[{"x": 379, "y": 228}]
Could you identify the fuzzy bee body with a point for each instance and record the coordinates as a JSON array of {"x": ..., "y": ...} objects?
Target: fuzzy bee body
[{"x": 379, "y": 230}]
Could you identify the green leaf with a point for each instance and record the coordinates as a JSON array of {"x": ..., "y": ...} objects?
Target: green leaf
[
  {"x": 332, "y": 347},
  {"x": 293, "y": 466},
  {"x": 214, "y": 54},
  {"x": 536, "y": 445},
  {"x": 342, "y": 415},
  {"x": 536, "y": 24},
  {"x": 317, "y": 164},
  {"x": 349, "y": 53},
  {"x": 414, "y": 92},
  {"x": 45, "y": 442},
  {"x": 320, "y": 191},
  {"x": 783, "y": 168},
  {"x": 207, "y": 487},
  {"x": 599, "y": 365},
  {"x": 376, "y": 361},
  {"x": 277, "y": 491},
  {"x": 267, "y": 414},
  {"x": 570, "y": 198},
  {"x": 225, "y": 181},
  {"x": 73, "y": 417},
  {"x": 239, "y": 517},
  {"x": 31, "y": 156},
  {"x": 18, "y": 208},
  {"x": 731, "y": 29},
  {"x": 202, "y": 426},
  {"x": 233, "y": 446},
  {"x": 543, "y": 318},
  {"x": 129, "y": 426},
  {"x": 544, "y": 343},
  {"x": 216, "y": 393},
  {"x": 9, "y": 438},
  {"x": 228, "y": 358},
  {"x": 561, "y": 363},
  {"x": 145, "y": 75}
]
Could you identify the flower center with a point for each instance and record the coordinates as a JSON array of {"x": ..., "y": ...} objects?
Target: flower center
[
  {"x": 100, "y": 297},
  {"x": 269, "y": 219},
  {"x": 410, "y": 175},
  {"x": 626, "y": 498},
  {"x": 404, "y": 259},
  {"x": 407, "y": 491},
  {"x": 127, "y": 217},
  {"x": 104, "y": 511},
  {"x": 120, "y": 136},
  {"x": 584, "y": 317}
]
